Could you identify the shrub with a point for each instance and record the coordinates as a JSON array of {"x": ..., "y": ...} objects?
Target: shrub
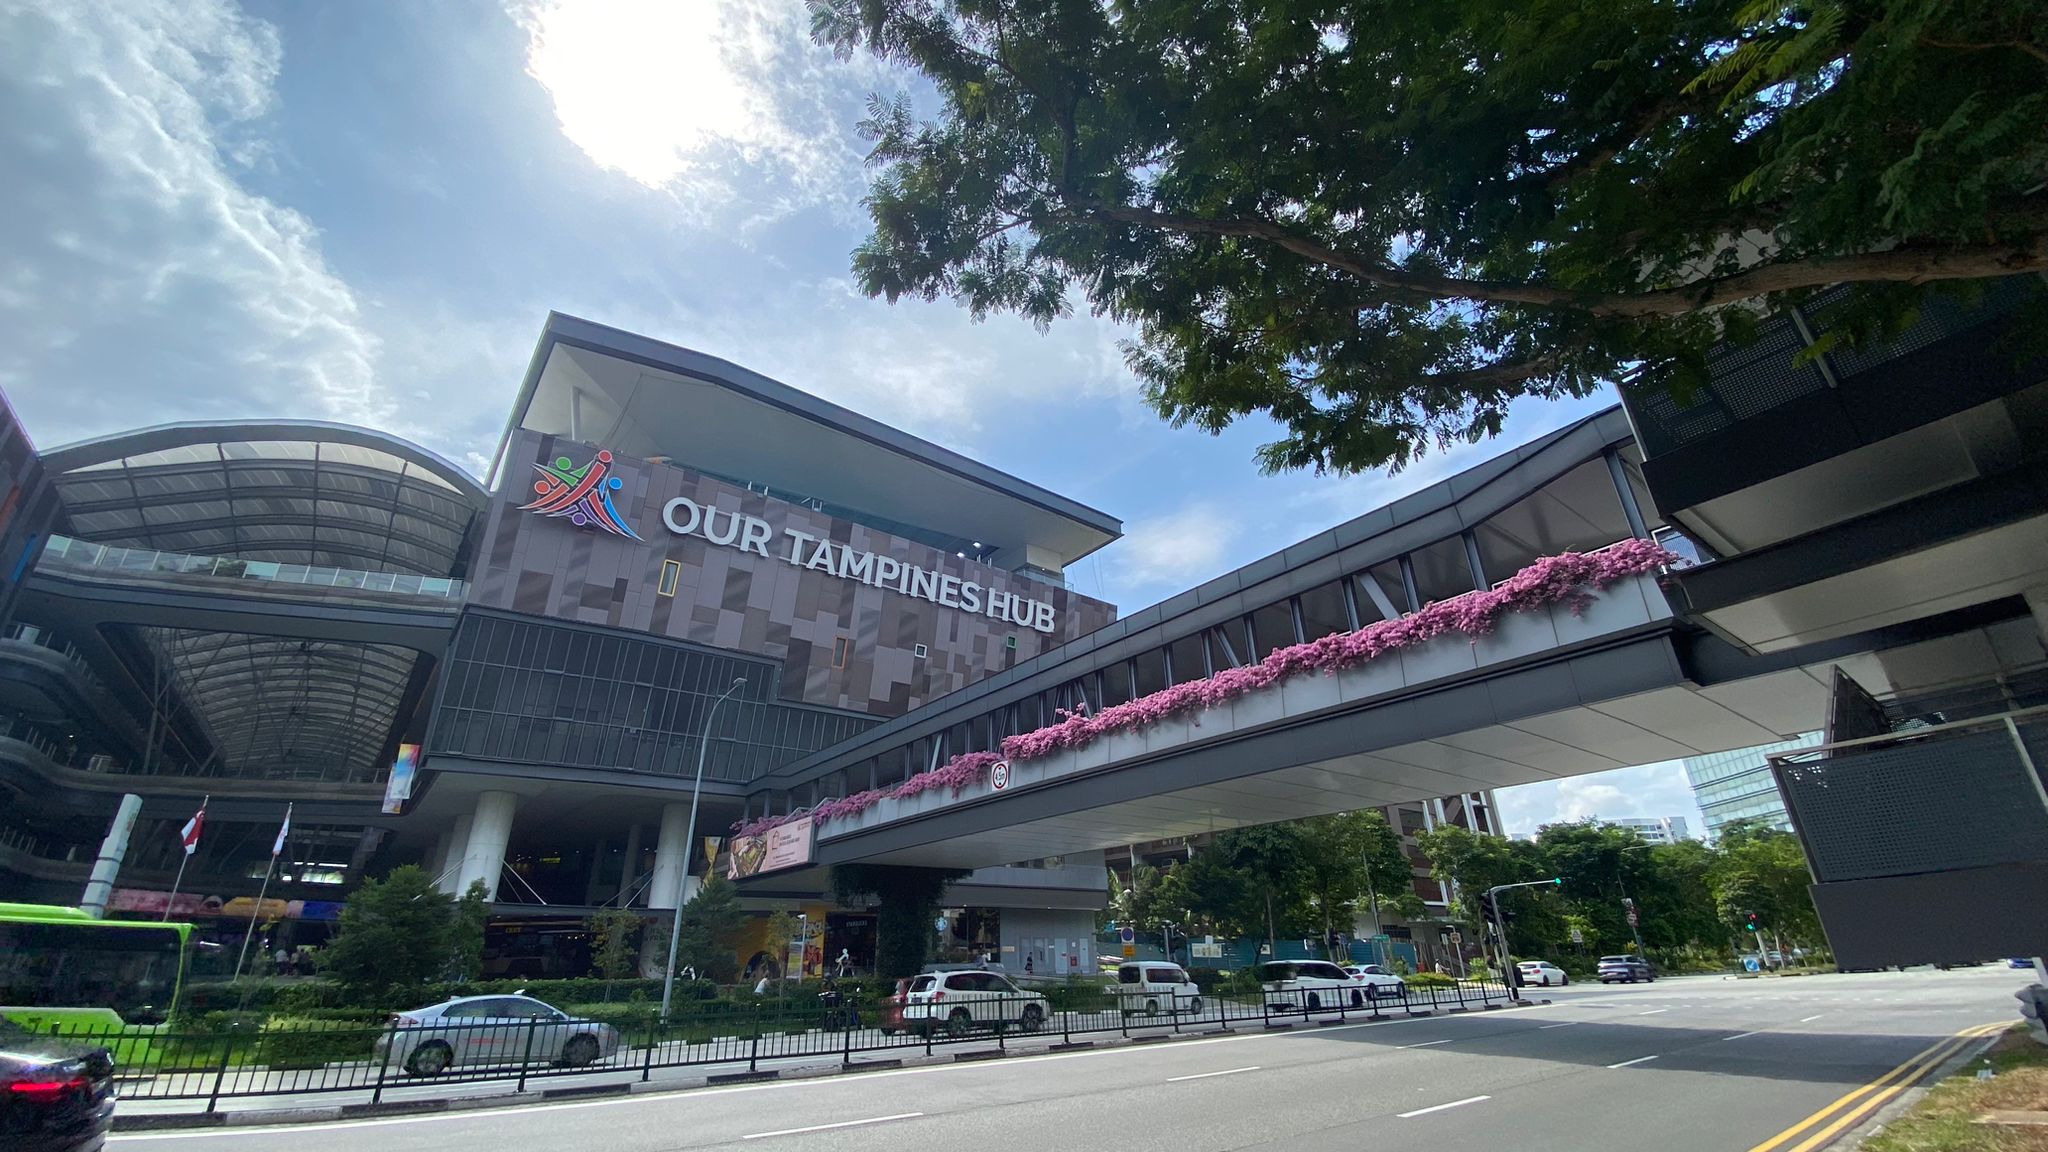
[
  {"x": 1429, "y": 980},
  {"x": 301, "y": 1042},
  {"x": 310, "y": 995},
  {"x": 1075, "y": 994},
  {"x": 1207, "y": 979}
]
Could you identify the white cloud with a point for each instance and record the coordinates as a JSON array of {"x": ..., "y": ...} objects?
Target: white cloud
[
  {"x": 143, "y": 281},
  {"x": 1178, "y": 550},
  {"x": 683, "y": 95},
  {"x": 1647, "y": 790}
]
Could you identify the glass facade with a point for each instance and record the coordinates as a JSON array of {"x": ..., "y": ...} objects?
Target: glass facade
[
  {"x": 1730, "y": 786},
  {"x": 527, "y": 691}
]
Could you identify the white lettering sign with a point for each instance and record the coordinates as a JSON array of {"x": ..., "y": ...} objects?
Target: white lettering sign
[{"x": 686, "y": 517}]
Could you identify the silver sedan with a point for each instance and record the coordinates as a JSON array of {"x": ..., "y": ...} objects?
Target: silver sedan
[{"x": 488, "y": 1031}]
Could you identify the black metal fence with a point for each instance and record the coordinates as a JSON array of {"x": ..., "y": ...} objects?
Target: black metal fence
[{"x": 294, "y": 1057}]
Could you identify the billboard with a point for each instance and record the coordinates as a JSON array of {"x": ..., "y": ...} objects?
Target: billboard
[
  {"x": 398, "y": 786},
  {"x": 781, "y": 847}
]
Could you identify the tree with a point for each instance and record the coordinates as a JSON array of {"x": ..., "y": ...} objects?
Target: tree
[
  {"x": 782, "y": 930},
  {"x": 395, "y": 934},
  {"x": 907, "y": 904},
  {"x": 1763, "y": 870},
  {"x": 1382, "y": 223},
  {"x": 614, "y": 951},
  {"x": 1137, "y": 904},
  {"x": 466, "y": 933},
  {"x": 1332, "y": 869},
  {"x": 711, "y": 927},
  {"x": 1389, "y": 875}
]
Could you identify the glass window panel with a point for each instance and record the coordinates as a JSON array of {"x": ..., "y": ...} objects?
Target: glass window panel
[
  {"x": 1385, "y": 578},
  {"x": 1116, "y": 684},
  {"x": 1441, "y": 570},
  {"x": 1273, "y": 628},
  {"x": 1577, "y": 512},
  {"x": 1323, "y": 612},
  {"x": 1186, "y": 656},
  {"x": 1226, "y": 645},
  {"x": 1151, "y": 671}
]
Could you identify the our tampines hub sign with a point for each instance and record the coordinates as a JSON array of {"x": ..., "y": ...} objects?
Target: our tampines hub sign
[
  {"x": 686, "y": 517},
  {"x": 584, "y": 497}
]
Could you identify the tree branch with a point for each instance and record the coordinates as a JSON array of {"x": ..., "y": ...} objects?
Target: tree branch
[
  {"x": 1965, "y": 46},
  {"x": 1907, "y": 264}
]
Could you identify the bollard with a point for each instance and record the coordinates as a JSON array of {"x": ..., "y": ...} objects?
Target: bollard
[
  {"x": 526, "y": 1061},
  {"x": 647, "y": 1063},
  {"x": 384, "y": 1069},
  {"x": 754, "y": 1054},
  {"x": 227, "y": 1047}
]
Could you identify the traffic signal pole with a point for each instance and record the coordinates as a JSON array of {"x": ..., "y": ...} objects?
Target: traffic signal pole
[{"x": 1500, "y": 927}]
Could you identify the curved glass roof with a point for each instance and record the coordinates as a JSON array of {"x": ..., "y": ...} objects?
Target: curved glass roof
[{"x": 294, "y": 492}]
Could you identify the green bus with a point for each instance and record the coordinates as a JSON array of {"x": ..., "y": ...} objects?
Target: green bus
[{"x": 62, "y": 967}]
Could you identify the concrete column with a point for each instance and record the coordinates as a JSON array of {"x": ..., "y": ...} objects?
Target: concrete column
[
  {"x": 450, "y": 870},
  {"x": 490, "y": 830},
  {"x": 630, "y": 874},
  {"x": 2037, "y": 603},
  {"x": 596, "y": 869},
  {"x": 437, "y": 857},
  {"x": 671, "y": 857}
]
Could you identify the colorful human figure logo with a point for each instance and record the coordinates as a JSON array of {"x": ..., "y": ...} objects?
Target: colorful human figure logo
[{"x": 583, "y": 494}]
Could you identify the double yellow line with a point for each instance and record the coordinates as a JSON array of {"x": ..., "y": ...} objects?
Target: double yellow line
[{"x": 1874, "y": 1095}]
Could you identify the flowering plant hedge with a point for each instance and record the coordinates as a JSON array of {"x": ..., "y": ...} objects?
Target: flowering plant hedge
[{"x": 1562, "y": 579}]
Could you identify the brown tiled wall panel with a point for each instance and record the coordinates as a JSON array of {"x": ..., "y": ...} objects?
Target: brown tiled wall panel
[{"x": 731, "y": 599}]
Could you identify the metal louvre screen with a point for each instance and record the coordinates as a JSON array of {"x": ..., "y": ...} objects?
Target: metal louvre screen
[{"x": 1930, "y": 805}]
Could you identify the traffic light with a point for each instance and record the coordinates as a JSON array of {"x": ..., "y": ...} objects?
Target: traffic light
[{"x": 1751, "y": 923}]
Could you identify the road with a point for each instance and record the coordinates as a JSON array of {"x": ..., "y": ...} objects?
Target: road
[{"x": 1689, "y": 1065}]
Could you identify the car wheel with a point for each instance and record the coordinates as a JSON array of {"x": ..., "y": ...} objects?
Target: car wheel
[
  {"x": 1315, "y": 1003},
  {"x": 579, "y": 1051},
  {"x": 1032, "y": 1019},
  {"x": 429, "y": 1059},
  {"x": 1151, "y": 1007},
  {"x": 1195, "y": 1005},
  {"x": 1357, "y": 998},
  {"x": 959, "y": 1023}
]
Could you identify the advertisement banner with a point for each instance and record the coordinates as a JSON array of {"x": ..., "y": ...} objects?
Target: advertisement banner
[
  {"x": 398, "y": 786},
  {"x": 199, "y": 906},
  {"x": 781, "y": 847}
]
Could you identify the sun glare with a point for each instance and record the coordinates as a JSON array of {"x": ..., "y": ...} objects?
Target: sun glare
[{"x": 647, "y": 87}]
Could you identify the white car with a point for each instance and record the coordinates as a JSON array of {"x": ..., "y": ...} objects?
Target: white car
[
  {"x": 1543, "y": 973},
  {"x": 961, "y": 1000},
  {"x": 1377, "y": 981},
  {"x": 1150, "y": 989},
  {"x": 485, "y": 1031},
  {"x": 1308, "y": 986}
]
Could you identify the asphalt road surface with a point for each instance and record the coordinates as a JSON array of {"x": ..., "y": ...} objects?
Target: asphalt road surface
[{"x": 1681, "y": 1065}]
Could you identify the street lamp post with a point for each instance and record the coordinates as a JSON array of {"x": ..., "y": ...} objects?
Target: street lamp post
[
  {"x": 1166, "y": 931},
  {"x": 1500, "y": 925},
  {"x": 675, "y": 931}
]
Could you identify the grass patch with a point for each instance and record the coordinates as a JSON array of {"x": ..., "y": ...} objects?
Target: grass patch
[{"x": 1945, "y": 1120}]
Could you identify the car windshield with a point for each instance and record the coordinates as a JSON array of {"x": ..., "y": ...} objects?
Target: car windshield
[{"x": 1276, "y": 971}]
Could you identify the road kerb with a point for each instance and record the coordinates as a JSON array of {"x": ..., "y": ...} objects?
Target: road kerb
[{"x": 1856, "y": 1104}]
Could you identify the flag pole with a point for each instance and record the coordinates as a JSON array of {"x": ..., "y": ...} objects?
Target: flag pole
[
  {"x": 184, "y": 858},
  {"x": 275, "y": 848}
]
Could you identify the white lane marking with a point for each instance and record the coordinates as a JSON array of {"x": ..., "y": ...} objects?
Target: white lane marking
[
  {"x": 1424, "y": 1044},
  {"x": 1811, "y": 1019},
  {"x": 841, "y": 1124},
  {"x": 1548, "y": 1027},
  {"x": 1206, "y": 1075},
  {"x": 474, "y": 1114},
  {"x": 1441, "y": 1107},
  {"x": 1653, "y": 1011},
  {"x": 1743, "y": 1035},
  {"x": 1637, "y": 1060}
]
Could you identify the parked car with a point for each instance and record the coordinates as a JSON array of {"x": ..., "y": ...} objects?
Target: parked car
[
  {"x": 890, "y": 1019},
  {"x": 56, "y": 1095},
  {"x": 1379, "y": 984},
  {"x": 1308, "y": 986},
  {"x": 962, "y": 1000},
  {"x": 1543, "y": 973},
  {"x": 1154, "y": 988},
  {"x": 2019, "y": 962},
  {"x": 1625, "y": 970},
  {"x": 486, "y": 1031}
]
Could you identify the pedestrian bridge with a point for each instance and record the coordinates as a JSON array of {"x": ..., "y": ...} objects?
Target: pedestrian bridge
[{"x": 1246, "y": 700}]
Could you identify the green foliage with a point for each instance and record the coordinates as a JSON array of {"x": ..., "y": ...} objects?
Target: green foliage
[
  {"x": 908, "y": 903},
  {"x": 466, "y": 934},
  {"x": 396, "y": 933},
  {"x": 1381, "y": 224},
  {"x": 1138, "y": 904},
  {"x": 300, "y": 1042},
  {"x": 782, "y": 930},
  {"x": 615, "y": 934},
  {"x": 711, "y": 927}
]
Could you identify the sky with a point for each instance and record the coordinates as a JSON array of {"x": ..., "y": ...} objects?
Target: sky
[{"x": 363, "y": 212}]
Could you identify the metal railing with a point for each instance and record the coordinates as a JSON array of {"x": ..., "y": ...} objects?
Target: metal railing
[
  {"x": 63, "y": 552},
  {"x": 312, "y": 1057}
]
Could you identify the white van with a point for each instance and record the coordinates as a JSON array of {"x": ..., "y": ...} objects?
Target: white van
[{"x": 1149, "y": 989}]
